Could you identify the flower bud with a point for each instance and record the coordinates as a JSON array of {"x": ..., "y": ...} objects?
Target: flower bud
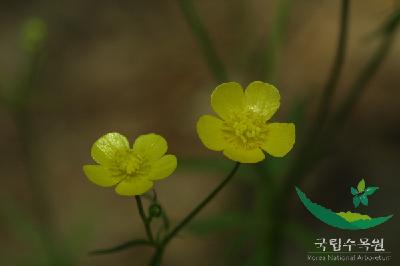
[{"x": 155, "y": 210}]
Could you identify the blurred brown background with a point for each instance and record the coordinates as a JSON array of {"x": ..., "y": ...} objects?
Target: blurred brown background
[{"x": 135, "y": 67}]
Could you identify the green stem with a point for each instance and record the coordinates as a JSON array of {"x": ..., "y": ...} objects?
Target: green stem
[
  {"x": 307, "y": 151},
  {"x": 157, "y": 257},
  {"x": 275, "y": 39},
  {"x": 202, "y": 204},
  {"x": 160, "y": 249},
  {"x": 337, "y": 66},
  {"x": 18, "y": 102},
  {"x": 204, "y": 40},
  {"x": 146, "y": 221},
  {"x": 359, "y": 86},
  {"x": 318, "y": 146},
  {"x": 123, "y": 246}
]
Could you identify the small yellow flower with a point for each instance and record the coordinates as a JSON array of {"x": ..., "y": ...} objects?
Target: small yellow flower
[
  {"x": 243, "y": 132},
  {"x": 134, "y": 169}
]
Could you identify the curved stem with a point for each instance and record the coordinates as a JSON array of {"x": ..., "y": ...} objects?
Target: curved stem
[
  {"x": 146, "y": 221},
  {"x": 160, "y": 248},
  {"x": 199, "y": 207},
  {"x": 120, "y": 247}
]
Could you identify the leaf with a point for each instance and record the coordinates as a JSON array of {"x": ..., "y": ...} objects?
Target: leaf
[
  {"x": 364, "y": 199},
  {"x": 353, "y": 191},
  {"x": 132, "y": 243},
  {"x": 361, "y": 186},
  {"x": 392, "y": 23},
  {"x": 356, "y": 201},
  {"x": 371, "y": 190}
]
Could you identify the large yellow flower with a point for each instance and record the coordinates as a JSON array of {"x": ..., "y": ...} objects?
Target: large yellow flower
[
  {"x": 243, "y": 131},
  {"x": 134, "y": 169}
]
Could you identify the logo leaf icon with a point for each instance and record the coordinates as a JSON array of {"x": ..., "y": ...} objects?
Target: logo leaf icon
[
  {"x": 353, "y": 191},
  {"x": 356, "y": 201},
  {"x": 361, "y": 186},
  {"x": 371, "y": 190},
  {"x": 364, "y": 199}
]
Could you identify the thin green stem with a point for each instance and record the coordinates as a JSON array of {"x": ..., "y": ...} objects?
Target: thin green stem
[
  {"x": 157, "y": 257},
  {"x": 120, "y": 247},
  {"x": 337, "y": 66},
  {"x": 318, "y": 146},
  {"x": 275, "y": 39},
  {"x": 202, "y": 204},
  {"x": 359, "y": 86},
  {"x": 306, "y": 152},
  {"x": 160, "y": 249},
  {"x": 145, "y": 220},
  {"x": 204, "y": 40}
]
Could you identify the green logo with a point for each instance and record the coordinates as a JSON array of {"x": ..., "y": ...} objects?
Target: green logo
[{"x": 346, "y": 220}]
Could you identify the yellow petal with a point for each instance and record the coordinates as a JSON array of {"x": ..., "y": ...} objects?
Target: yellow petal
[
  {"x": 104, "y": 149},
  {"x": 227, "y": 98},
  {"x": 243, "y": 155},
  {"x": 100, "y": 175},
  {"x": 133, "y": 186},
  {"x": 151, "y": 146},
  {"x": 280, "y": 139},
  {"x": 163, "y": 167},
  {"x": 262, "y": 98},
  {"x": 209, "y": 129}
]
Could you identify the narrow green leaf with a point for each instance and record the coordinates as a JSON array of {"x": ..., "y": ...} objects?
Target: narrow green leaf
[
  {"x": 392, "y": 23},
  {"x": 129, "y": 244},
  {"x": 370, "y": 190},
  {"x": 203, "y": 37},
  {"x": 361, "y": 186},
  {"x": 364, "y": 199},
  {"x": 353, "y": 191}
]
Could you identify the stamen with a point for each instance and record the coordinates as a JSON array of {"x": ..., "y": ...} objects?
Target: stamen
[
  {"x": 246, "y": 130},
  {"x": 128, "y": 164}
]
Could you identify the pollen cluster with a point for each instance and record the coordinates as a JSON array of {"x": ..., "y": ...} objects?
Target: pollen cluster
[
  {"x": 128, "y": 164},
  {"x": 245, "y": 129}
]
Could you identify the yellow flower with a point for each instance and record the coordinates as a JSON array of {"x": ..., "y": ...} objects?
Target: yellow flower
[
  {"x": 134, "y": 169},
  {"x": 243, "y": 132}
]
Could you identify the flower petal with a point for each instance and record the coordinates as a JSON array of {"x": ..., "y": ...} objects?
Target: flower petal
[
  {"x": 163, "y": 167},
  {"x": 104, "y": 149},
  {"x": 209, "y": 129},
  {"x": 227, "y": 98},
  {"x": 133, "y": 187},
  {"x": 262, "y": 98},
  {"x": 151, "y": 146},
  {"x": 280, "y": 139},
  {"x": 100, "y": 175},
  {"x": 243, "y": 155}
]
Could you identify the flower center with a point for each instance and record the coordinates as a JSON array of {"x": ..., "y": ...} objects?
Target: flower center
[
  {"x": 245, "y": 129},
  {"x": 128, "y": 164}
]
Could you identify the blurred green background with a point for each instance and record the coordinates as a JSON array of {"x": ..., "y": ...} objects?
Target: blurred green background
[{"x": 71, "y": 71}]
